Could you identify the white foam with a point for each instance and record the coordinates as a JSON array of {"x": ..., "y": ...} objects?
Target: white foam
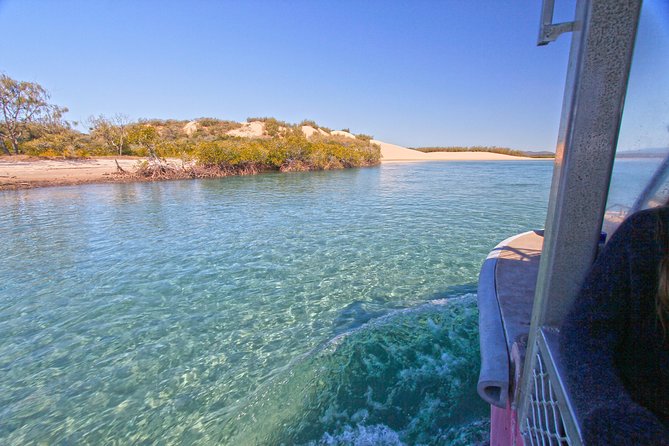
[
  {"x": 334, "y": 342},
  {"x": 361, "y": 435}
]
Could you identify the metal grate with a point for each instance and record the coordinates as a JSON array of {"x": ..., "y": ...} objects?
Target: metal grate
[{"x": 544, "y": 424}]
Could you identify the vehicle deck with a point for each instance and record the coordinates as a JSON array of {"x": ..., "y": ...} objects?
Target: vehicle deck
[{"x": 515, "y": 281}]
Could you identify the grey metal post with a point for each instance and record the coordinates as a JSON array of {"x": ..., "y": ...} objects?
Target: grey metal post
[{"x": 599, "y": 63}]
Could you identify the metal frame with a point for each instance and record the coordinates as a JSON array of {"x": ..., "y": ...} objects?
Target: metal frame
[
  {"x": 553, "y": 418},
  {"x": 545, "y": 424},
  {"x": 549, "y": 31},
  {"x": 548, "y": 343},
  {"x": 599, "y": 64},
  {"x": 658, "y": 179}
]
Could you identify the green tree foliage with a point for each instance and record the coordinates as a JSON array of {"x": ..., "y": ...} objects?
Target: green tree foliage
[
  {"x": 310, "y": 123},
  {"x": 273, "y": 127},
  {"x": 23, "y": 103},
  {"x": 112, "y": 132},
  {"x": 62, "y": 143},
  {"x": 211, "y": 127},
  {"x": 143, "y": 138},
  {"x": 266, "y": 119},
  {"x": 210, "y": 147},
  {"x": 293, "y": 152},
  {"x": 35, "y": 127}
]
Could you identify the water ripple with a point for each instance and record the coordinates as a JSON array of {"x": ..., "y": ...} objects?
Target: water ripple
[{"x": 151, "y": 312}]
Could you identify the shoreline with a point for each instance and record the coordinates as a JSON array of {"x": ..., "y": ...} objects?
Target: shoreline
[
  {"x": 466, "y": 156},
  {"x": 23, "y": 172},
  {"x": 395, "y": 153}
]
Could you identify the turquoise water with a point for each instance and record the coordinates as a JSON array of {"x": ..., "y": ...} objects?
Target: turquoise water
[{"x": 307, "y": 308}]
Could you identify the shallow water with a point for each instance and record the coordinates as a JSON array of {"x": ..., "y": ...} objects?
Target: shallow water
[{"x": 308, "y": 308}]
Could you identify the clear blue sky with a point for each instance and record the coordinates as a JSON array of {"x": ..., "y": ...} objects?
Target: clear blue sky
[{"x": 415, "y": 73}]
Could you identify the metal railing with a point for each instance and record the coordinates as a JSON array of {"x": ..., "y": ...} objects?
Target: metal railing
[
  {"x": 549, "y": 31},
  {"x": 599, "y": 65},
  {"x": 551, "y": 419},
  {"x": 544, "y": 425}
]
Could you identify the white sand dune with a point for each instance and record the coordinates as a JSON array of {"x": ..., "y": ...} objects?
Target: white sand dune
[
  {"x": 253, "y": 129},
  {"x": 309, "y": 131},
  {"x": 190, "y": 128},
  {"x": 392, "y": 152},
  {"x": 389, "y": 152}
]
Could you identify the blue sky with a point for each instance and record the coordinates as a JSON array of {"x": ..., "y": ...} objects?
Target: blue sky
[{"x": 414, "y": 73}]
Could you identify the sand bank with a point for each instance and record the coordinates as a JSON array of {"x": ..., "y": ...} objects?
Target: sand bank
[
  {"x": 395, "y": 153},
  {"x": 20, "y": 172}
]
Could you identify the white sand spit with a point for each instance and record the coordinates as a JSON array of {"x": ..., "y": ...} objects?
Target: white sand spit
[
  {"x": 475, "y": 156},
  {"x": 392, "y": 152}
]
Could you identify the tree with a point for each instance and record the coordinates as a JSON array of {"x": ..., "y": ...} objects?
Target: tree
[
  {"x": 146, "y": 137},
  {"x": 113, "y": 131},
  {"x": 23, "y": 103}
]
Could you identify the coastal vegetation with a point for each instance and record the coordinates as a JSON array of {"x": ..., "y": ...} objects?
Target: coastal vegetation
[
  {"x": 291, "y": 152},
  {"x": 500, "y": 150},
  {"x": 26, "y": 111},
  {"x": 207, "y": 147}
]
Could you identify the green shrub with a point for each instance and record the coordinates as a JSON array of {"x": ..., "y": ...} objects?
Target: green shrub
[
  {"x": 215, "y": 152},
  {"x": 214, "y": 128},
  {"x": 292, "y": 152},
  {"x": 272, "y": 127},
  {"x": 207, "y": 122},
  {"x": 174, "y": 149},
  {"x": 309, "y": 122},
  {"x": 65, "y": 143},
  {"x": 265, "y": 119}
]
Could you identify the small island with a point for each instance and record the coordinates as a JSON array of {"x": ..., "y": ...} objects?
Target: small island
[{"x": 41, "y": 148}]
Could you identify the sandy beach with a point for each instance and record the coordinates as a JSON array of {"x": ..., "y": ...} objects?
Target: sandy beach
[
  {"x": 395, "y": 153},
  {"x": 21, "y": 172}
]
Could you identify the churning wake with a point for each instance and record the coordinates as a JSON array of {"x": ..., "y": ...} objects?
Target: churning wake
[{"x": 405, "y": 378}]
